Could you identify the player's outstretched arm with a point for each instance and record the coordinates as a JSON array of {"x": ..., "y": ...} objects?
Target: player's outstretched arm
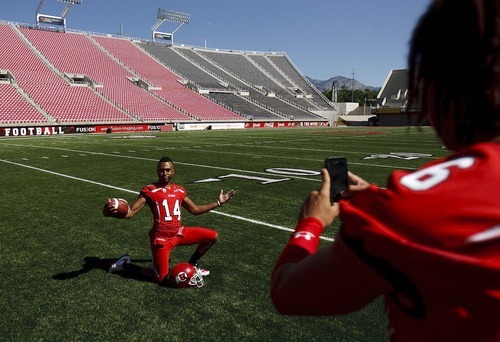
[
  {"x": 194, "y": 209},
  {"x": 139, "y": 203}
]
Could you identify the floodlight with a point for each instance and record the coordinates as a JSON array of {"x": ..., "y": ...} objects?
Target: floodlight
[
  {"x": 163, "y": 14},
  {"x": 70, "y": 3},
  {"x": 73, "y": 2},
  {"x": 169, "y": 15}
]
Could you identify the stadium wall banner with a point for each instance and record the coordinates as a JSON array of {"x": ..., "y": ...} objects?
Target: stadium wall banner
[
  {"x": 117, "y": 128},
  {"x": 27, "y": 131},
  {"x": 270, "y": 124},
  {"x": 209, "y": 126},
  {"x": 127, "y": 128},
  {"x": 287, "y": 124},
  {"x": 59, "y": 130},
  {"x": 315, "y": 124}
]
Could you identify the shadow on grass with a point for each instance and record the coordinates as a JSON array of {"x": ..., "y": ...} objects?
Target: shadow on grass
[{"x": 132, "y": 271}]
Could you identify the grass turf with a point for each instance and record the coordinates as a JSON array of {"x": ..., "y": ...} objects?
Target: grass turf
[{"x": 55, "y": 239}]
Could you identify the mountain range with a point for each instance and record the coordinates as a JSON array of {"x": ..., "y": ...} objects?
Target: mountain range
[{"x": 340, "y": 82}]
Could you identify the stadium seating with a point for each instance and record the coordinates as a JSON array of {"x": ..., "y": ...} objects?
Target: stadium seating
[
  {"x": 242, "y": 105},
  {"x": 282, "y": 62},
  {"x": 171, "y": 90},
  {"x": 76, "y": 54},
  {"x": 241, "y": 64},
  {"x": 15, "y": 109},
  {"x": 280, "y": 109},
  {"x": 286, "y": 81},
  {"x": 62, "y": 102},
  {"x": 182, "y": 66},
  {"x": 74, "y": 77},
  {"x": 247, "y": 108},
  {"x": 249, "y": 76}
]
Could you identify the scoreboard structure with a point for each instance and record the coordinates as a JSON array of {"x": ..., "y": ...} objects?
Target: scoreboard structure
[{"x": 51, "y": 20}]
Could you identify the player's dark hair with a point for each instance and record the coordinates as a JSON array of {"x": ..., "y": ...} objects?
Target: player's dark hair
[
  {"x": 165, "y": 160},
  {"x": 455, "y": 50}
]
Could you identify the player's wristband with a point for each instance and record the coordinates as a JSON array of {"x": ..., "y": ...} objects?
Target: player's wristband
[
  {"x": 307, "y": 234},
  {"x": 218, "y": 203},
  {"x": 303, "y": 242},
  {"x": 310, "y": 224}
]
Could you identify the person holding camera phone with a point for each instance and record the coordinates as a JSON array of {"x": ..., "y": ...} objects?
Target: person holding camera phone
[{"x": 429, "y": 243}]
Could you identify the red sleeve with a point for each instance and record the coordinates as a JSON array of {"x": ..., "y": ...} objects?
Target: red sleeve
[
  {"x": 326, "y": 281},
  {"x": 146, "y": 192},
  {"x": 303, "y": 242}
]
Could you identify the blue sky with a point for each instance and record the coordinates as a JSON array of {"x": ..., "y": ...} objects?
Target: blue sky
[{"x": 322, "y": 38}]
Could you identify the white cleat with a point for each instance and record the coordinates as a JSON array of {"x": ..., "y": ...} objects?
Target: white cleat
[
  {"x": 203, "y": 272},
  {"x": 120, "y": 264}
]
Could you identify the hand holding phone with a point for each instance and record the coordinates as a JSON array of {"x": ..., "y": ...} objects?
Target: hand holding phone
[{"x": 337, "y": 169}]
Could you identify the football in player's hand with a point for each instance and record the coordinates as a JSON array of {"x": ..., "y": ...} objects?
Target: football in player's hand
[{"x": 116, "y": 207}]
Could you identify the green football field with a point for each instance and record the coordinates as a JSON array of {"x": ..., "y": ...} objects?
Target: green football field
[{"x": 55, "y": 242}]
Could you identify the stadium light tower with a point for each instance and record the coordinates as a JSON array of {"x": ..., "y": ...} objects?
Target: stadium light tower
[
  {"x": 53, "y": 20},
  {"x": 68, "y": 7},
  {"x": 163, "y": 14}
]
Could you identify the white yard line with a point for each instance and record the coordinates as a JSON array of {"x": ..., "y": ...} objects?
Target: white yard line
[
  {"x": 215, "y": 167},
  {"x": 68, "y": 176},
  {"x": 261, "y": 223}
]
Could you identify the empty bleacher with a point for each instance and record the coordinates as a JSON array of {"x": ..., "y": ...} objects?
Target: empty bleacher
[
  {"x": 183, "y": 67},
  {"x": 280, "y": 108},
  {"x": 74, "y": 77},
  {"x": 15, "y": 109},
  {"x": 263, "y": 62},
  {"x": 62, "y": 102},
  {"x": 171, "y": 90},
  {"x": 75, "y": 53},
  {"x": 235, "y": 63},
  {"x": 226, "y": 95},
  {"x": 282, "y": 63},
  {"x": 242, "y": 105},
  {"x": 240, "y": 64}
]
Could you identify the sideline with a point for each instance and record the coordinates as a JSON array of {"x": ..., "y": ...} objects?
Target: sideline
[{"x": 261, "y": 223}]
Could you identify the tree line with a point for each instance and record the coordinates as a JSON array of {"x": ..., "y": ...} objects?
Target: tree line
[{"x": 345, "y": 94}]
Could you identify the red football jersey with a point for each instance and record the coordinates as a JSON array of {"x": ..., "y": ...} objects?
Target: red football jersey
[
  {"x": 166, "y": 207},
  {"x": 434, "y": 234}
]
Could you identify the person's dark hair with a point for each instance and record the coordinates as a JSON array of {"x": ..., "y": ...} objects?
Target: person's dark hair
[
  {"x": 165, "y": 160},
  {"x": 455, "y": 49}
]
